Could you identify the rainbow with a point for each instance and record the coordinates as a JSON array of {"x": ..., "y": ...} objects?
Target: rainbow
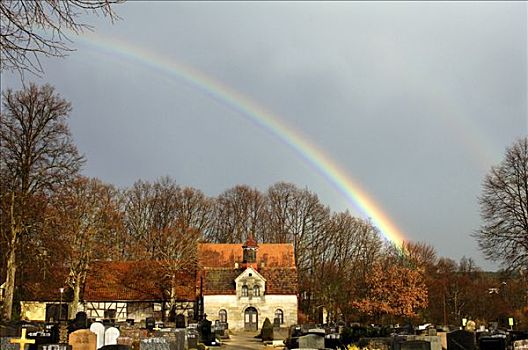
[{"x": 260, "y": 117}]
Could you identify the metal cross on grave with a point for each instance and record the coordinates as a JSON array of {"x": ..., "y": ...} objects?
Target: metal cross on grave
[{"x": 23, "y": 340}]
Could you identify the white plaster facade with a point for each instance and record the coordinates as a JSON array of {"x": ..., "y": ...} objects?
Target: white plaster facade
[{"x": 266, "y": 305}]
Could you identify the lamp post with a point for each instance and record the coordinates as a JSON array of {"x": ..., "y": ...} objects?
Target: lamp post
[{"x": 60, "y": 305}]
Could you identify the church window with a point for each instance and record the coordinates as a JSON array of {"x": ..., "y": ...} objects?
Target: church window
[
  {"x": 279, "y": 315},
  {"x": 256, "y": 291},
  {"x": 244, "y": 291}
]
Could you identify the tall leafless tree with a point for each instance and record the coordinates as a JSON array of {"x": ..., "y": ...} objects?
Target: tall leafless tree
[
  {"x": 238, "y": 211},
  {"x": 85, "y": 216},
  {"x": 504, "y": 208},
  {"x": 37, "y": 154},
  {"x": 32, "y": 29}
]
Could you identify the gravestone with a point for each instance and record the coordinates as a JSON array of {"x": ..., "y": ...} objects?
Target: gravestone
[
  {"x": 116, "y": 347},
  {"x": 111, "y": 335},
  {"x": 179, "y": 339},
  {"x": 55, "y": 347},
  {"x": 155, "y": 343},
  {"x": 192, "y": 338},
  {"x": 5, "y": 344},
  {"x": 204, "y": 328},
  {"x": 492, "y": 343},
  {"x": 54, "y": 329},
  {"x": 124, "y": 341},
  {"x": 83, "y": 339},
  {"x": 435, "y": 342},
  {"x": 461, "y": 340},
  {"x": 180, "y": 321},
  {"x": 150, "y": 323},
  {"x": 22, "y": 341},
  {"x": 80, "y": 322},
  {"x": 520, "y": 345},
  {"x": 99, "y": 330},
  {"x": 311, "y": 341},
  {"x": 317, "y": 331},
  {"x": 415, "y": 345},
  {"x": 377, "y": 343},
  {"x": 41, "y": 338},
  {"x": 443, "y": 339}
]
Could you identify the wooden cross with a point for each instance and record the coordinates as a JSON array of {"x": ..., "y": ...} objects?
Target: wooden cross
[{"x": 23, "y": 340}]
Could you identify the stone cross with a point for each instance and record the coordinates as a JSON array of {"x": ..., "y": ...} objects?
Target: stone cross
[{"x": 23, "y": 340}]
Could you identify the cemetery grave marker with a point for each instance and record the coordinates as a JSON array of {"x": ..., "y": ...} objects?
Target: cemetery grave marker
[
  {"x": 520, "y": 345},
  {"x": 99, "y": 331},
  {"x": 41, "y": 338},
  {"x": 492, "y": 343},
  {"x": 5, "y": 344},
  {"x": 22, "y": 341},
  {"x": 111, "y": 335},
  {"x": 55, "y": 347},
  {"x": 83, "y": 339},
  {"x": 312, "y": 341},
  {"x": 461, "y": 340},
  {"x": 415, "y": 345}
]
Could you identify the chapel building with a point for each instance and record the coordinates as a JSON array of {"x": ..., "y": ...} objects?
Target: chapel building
[{"x": 242, "y": 285}]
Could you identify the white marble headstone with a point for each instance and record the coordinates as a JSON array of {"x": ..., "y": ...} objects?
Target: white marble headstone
[
  {"x": 111, "y": 336},
  {"x": 99, "y": 330}
]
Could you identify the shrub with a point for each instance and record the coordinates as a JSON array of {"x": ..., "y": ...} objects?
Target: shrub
[{"x": 267, "y": 330}]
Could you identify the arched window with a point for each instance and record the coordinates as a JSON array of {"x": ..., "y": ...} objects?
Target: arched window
[
  {"x": 222, "y": 316},
  {"x": 256, "y": 291},
  {"x": 279, "y": 315},
  {"x": 244, "y": 291}
]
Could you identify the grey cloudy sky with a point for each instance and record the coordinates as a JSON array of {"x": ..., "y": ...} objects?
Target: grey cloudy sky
[{"x": 415, "y": 101}]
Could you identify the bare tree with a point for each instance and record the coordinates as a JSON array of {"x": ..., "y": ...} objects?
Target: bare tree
[
  {"x": 85, "y": 217},
  {"x": 31, "y": 29},
  {"x": 238, "y": 212},
  {"x": 37, "y": 154},
  {"x": 504, "y": 208}
]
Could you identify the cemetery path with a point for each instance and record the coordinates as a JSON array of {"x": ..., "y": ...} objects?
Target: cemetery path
[{"x": 242, "y": 341}]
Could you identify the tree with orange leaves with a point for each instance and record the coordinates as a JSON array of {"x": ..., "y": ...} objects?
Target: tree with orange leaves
[{"x": 394, "y": 289}]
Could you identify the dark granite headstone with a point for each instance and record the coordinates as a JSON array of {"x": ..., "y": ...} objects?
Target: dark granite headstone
[
  {"x": 115, "y": 347},
  {"x": 80, "y": 322},
  {"x": 204, "y": 328},
  {"x": 180, "y": 321},
  {"x": 415, "y": 345},
  {"x": 461, "y": 340},
  {"x": 41, "y": 338},
  {"x": 150, "y": 323},
  {"x": 492, "y": 343}
]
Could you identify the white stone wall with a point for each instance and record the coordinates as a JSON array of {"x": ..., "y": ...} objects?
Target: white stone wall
[
  {"x": 265, "y": 305},
  {"x": 33, "y": 310}
]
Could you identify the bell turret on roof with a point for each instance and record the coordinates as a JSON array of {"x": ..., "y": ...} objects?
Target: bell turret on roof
[{"x": 250, "y": 242}]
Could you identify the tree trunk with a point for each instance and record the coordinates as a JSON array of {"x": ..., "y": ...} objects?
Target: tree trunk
[
  {"x": 11, "y": 264},
  {"x": 76, "y": 296},
  {"x": 10, "y": 281}
]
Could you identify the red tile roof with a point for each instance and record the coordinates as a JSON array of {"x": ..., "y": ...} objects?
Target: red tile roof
[
  {"x": 134, "y": 281},
  {"x": 212, "y": 255},
  {"x": 279, "y": 280}
]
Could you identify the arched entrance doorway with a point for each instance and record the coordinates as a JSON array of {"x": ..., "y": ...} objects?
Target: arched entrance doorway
[{"x": 251, "y": 319}]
